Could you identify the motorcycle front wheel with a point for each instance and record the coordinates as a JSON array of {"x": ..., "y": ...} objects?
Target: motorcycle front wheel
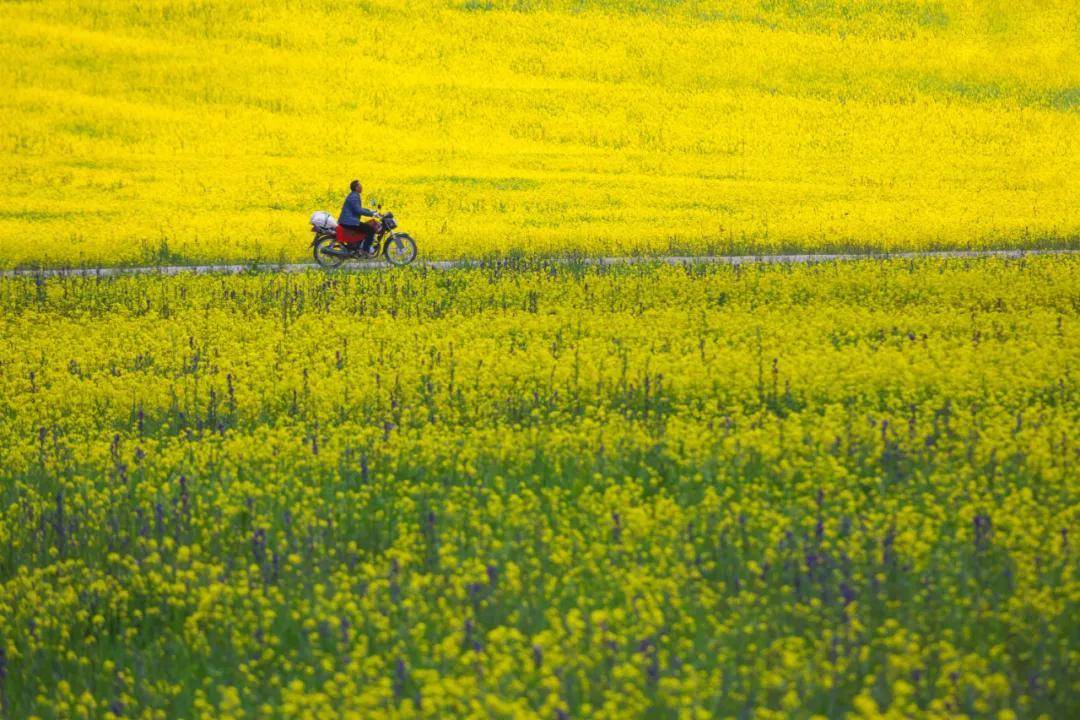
[
  {"x": 327, "y": 242},
  {"x": 400, "y": 250}
]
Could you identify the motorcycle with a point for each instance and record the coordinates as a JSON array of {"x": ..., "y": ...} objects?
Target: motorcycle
[{"x": 333, "y": 244}]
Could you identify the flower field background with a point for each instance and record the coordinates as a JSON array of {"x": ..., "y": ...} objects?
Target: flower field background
[
  {"x": 526, "y": 490},
  {"x": 193, "y": 130}
]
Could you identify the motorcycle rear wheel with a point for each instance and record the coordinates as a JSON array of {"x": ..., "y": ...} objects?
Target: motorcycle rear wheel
[
  {"x": 327, "y": 242},
  {"x": 400, "y": 250}
]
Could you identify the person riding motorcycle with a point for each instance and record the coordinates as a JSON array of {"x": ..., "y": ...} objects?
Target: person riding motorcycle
[{"x": 352, "y": 210}]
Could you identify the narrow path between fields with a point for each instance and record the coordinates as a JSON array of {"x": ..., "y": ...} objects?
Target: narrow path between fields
[{"x": 452, "y": 264}]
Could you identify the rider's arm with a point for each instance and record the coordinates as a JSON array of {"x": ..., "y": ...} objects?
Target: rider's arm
[{"x": 359, "y": 208}]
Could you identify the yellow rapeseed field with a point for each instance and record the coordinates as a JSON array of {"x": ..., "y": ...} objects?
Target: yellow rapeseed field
[
  {"x": 543, "y": 491},
  {"x": 530, "y": 487},
  {"x": 196, "y": 130}
]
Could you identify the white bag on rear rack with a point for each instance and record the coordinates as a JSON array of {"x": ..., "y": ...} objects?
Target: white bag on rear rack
[{"x": 323, "y": 222}]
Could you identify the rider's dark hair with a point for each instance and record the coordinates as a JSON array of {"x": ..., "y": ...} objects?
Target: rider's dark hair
[{"x": 354, "y": 185}]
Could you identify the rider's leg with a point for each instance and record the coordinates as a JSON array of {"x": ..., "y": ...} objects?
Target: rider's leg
[{"x": 369, "y": 236}]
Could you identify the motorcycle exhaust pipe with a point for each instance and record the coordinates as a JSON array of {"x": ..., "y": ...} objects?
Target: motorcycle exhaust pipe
[{"x": 336, "y": 253}]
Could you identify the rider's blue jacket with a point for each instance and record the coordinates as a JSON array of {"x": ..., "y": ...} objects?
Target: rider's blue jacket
[{"x": 353, "y": 210}]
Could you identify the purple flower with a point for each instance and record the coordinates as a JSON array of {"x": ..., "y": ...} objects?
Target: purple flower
[
  {"x": 258, "y": 545},
  {"x": 982, "y": 531},
  {"x": 399, "y": 679}
]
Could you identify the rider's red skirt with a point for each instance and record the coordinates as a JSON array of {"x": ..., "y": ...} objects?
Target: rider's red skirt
[
  {"x": 349, "y": 236},
  {"x": 353, "y": 236}
]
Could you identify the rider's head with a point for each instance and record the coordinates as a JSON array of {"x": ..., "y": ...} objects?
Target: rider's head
[{"x": 355, "y": 186}]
